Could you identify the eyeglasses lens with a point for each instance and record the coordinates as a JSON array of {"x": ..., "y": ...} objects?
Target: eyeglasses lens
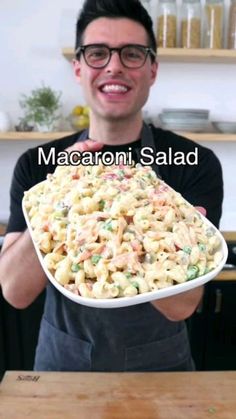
[{"x": 99, "y": 56}]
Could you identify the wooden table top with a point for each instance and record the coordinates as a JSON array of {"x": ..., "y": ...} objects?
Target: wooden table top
[{"x": 184, "y": 395}]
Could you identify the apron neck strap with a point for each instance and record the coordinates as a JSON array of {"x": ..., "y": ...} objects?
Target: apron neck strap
[{"x": 147, "y": 140}]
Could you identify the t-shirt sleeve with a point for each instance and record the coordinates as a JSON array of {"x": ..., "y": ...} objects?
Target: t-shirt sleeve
[
  {"x": 20, "y": 183},
  {"x": 205, "y": 186}
]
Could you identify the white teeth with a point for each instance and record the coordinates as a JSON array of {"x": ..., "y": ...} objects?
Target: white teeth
[{"x": 114, "y": 88}]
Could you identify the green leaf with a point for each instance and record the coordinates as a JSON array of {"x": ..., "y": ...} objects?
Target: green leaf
[{"x": 41, "y": 105}]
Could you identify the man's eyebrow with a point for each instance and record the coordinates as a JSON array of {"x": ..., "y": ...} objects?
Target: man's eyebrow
[{"x": 120, "y": 45}]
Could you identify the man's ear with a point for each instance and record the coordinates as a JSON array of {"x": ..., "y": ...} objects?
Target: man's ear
[
  {"x": 76, "y": 69},
  {"x": 154, "y": 71}
]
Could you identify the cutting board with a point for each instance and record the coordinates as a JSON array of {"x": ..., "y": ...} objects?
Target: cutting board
[{"x": 187, "y": 395}]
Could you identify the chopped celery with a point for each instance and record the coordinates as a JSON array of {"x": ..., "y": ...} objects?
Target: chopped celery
[{"x": 60, "y": 213}]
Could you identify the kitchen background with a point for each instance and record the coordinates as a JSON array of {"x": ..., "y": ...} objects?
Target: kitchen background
[{"x": 32, "y": 35}]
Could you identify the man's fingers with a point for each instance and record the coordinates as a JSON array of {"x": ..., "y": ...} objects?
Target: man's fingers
[
  {"x": 88, "y": 145},
  {"x": 202, "y": 210}
]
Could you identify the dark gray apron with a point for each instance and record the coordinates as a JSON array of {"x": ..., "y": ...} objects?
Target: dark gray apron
[{"x": 138, "y": 338}]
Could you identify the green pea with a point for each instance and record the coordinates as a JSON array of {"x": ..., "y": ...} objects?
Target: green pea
[
  {"x": 192, "y": 272},
  {"x": 75, "y": 267},
  {"x": 101, "y": 204},
  {"x": 108, "y": 226},
  {"x": 187, "y": 249},
  {"x": 95, "y": 259},
  {"x": 202, "y": 247},
  {"x": 135, "y": 284}
]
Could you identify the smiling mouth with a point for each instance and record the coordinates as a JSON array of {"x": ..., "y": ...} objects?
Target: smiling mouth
[{"x": 114, "y": 88}]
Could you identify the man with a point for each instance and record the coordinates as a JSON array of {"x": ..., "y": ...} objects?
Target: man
[{"x": 116, "y": 66}]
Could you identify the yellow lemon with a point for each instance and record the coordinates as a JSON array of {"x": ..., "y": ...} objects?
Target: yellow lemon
[
  {"x": 86, "y": 110},
  {"x": 80, "y": 122},
  {"x": 77, "y": 110}
]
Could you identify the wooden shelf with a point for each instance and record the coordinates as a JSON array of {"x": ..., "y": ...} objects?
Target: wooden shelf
[
  {"x": 229, "y": 236},
  {"x": 24, "y": 136},
  {"x": 209, "y": 136},
  {"x": 226, "y": 275},
  {"x": 183, "y": 55},
  {"x": 31, "y": 136}
]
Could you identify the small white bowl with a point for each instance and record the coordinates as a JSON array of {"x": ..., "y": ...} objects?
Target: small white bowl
[{"x": 225, "y": 126}]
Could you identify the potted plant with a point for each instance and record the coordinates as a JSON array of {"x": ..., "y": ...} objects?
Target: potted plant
[
  {"x": 41, "y": 108},
  {"x": 23, "y": 126}
]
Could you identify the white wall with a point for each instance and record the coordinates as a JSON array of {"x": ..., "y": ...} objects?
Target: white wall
[{"x": 31, "y": 37}]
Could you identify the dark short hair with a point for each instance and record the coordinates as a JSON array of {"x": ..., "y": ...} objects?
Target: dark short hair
[{"x": 131, "y": 9}]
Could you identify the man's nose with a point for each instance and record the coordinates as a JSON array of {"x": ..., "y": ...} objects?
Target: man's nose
[{"x": 115, "y": 64}]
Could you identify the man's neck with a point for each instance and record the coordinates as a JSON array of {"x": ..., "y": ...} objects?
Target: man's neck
[{"x": 115, "y": 132}]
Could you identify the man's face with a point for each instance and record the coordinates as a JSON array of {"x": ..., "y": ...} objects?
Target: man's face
[{"x": 132, "y": 86}]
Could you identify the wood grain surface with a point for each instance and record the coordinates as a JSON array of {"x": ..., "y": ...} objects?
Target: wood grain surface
[{"x": 185, "y": 395}]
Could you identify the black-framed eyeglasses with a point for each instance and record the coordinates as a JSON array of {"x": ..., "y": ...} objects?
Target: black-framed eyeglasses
[{"x": 99, "y": 55}]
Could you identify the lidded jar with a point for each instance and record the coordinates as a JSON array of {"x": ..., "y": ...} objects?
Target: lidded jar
[
  {"x": 213, "y": 24},
  {"x": 167, "y": 24},
  {"x": 147, "y": 5},
  {"x": 232, "y": 25},
  {"x": 191, "y": 24}
]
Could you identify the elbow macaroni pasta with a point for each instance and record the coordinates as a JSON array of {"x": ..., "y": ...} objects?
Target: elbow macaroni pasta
[{"x": 118, "y": 231}]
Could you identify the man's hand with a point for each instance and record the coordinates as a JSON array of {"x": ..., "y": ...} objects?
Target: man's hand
[
  {"x": 202, "y": 210},
  {"x": 181, "y": 306},
  {"x": 21, "y": 276},
  {"x": 87, "y": 145}
]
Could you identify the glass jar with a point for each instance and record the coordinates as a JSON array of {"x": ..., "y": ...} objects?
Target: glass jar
[
  {"x": 167, "y": 24},
  {"x": 232, "y": 26},
  {"x": 191, "y": 24},
  {"x": 147, "y": 5},
  {"x": 213, "y": 22}
]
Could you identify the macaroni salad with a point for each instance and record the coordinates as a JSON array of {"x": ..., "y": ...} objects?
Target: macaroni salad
[{"x": 118, "y": 231}]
